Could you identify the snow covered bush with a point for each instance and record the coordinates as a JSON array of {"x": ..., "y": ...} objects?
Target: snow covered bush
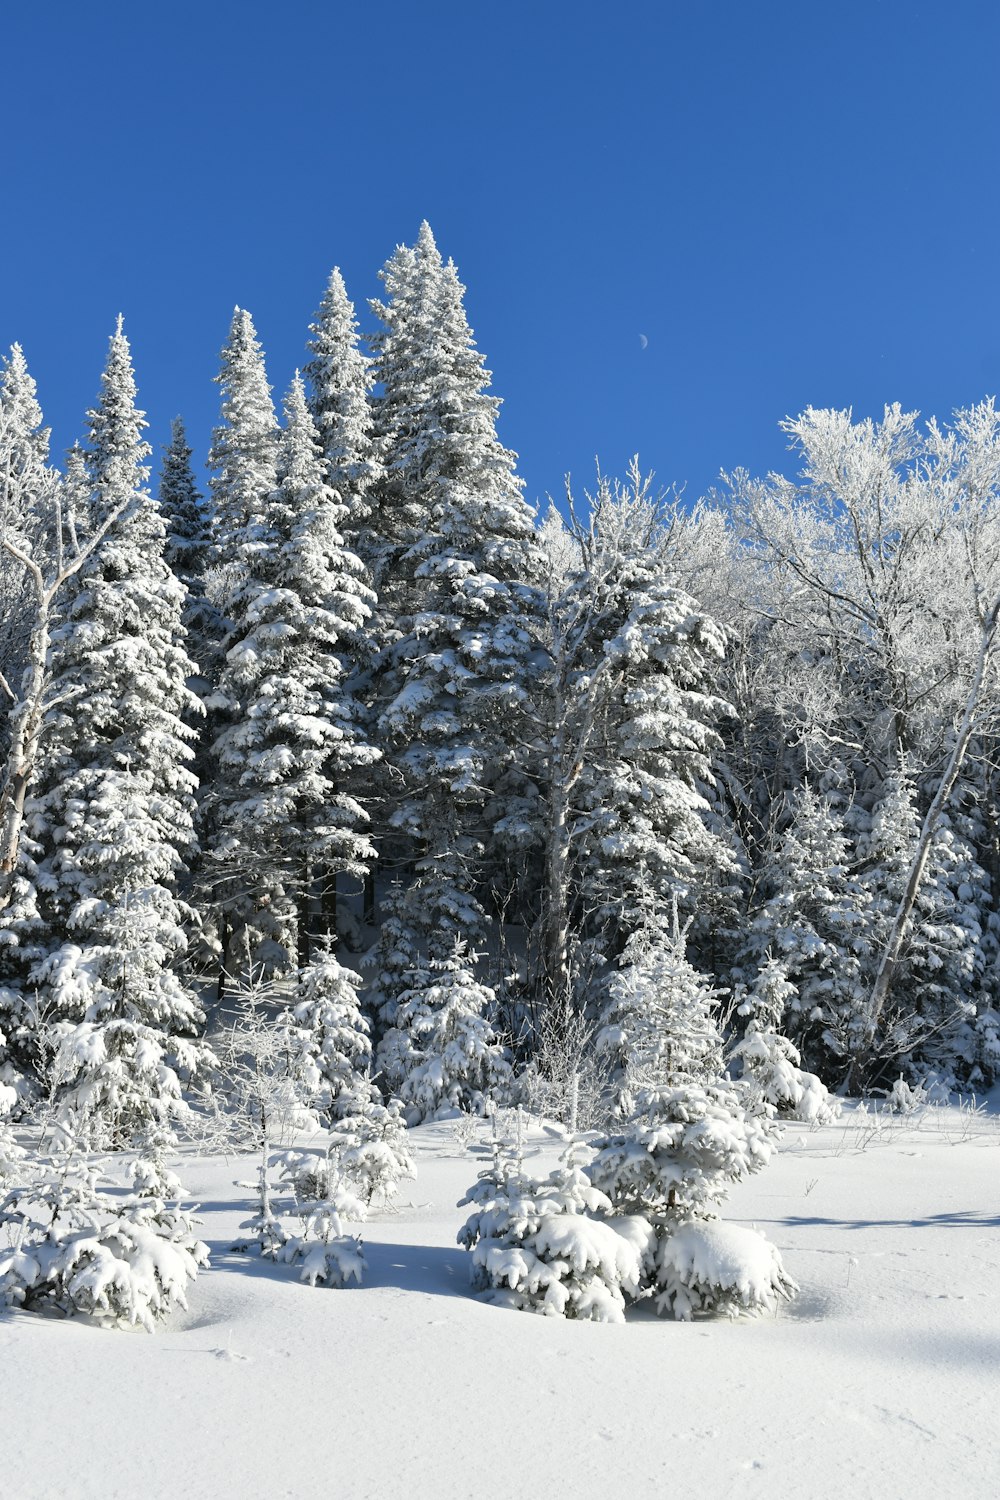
[
  {"x": 553, "y": 1246},
  {"x": 323, "y": 1199},
  {"x": 708, "y": 1266},
  {"x": 326, "y": 1255},
  {"x": 78, "y": 1249}
]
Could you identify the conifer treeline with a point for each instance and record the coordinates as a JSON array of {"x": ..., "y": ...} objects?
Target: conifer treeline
[{"x": 548, "y": 779}]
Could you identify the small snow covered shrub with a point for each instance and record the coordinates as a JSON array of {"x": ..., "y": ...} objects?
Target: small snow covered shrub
[
  {"x": 708, "y": 1266},
  {"x": 552, "y": 1246},
  {"x": 904, "y": 1100},
  {"x": 323, "y": 1199},
  {"x": 325, "y": 1254},
  {"x": 78, "y": 1249},
  {"x": 11, "y": 1154}
]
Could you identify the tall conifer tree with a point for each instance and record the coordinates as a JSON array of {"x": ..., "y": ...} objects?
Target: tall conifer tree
[
  {"x": 111, "y": 813},
  {"x": 456, "y": 563},
  {"x": 290, "y": 757}
]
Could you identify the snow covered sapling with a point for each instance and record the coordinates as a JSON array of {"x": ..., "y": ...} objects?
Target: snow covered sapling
[
  {"x": 657, "y": 1023},
  {"x": 553, "y": 1246},
  {"x": 771, "y": 1075},
  {"x": 566, "y": 1077},
  {"x": 690, "y": 1136},
  {"x": 76, "y": 1248},
  {"x": 266, "y": 1100},
  {"x": 325, "y": 1254},
  {"x": 442, "y": 1053},
  {"x": 326, "y": 1036}
]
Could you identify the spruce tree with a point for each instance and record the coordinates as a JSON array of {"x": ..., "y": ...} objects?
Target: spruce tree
[
  {"x": 455, "y": 563},
  {"x": 111, "y": 811},
  {"x": 339, "y": 381},
  {"x": 242, "y": 459},
  {"x": 811, "y": 914},
  {"x": 442, "y": 1053},
  {"x": 188, "y": 554},
  {"x": 290, "y": 760}
]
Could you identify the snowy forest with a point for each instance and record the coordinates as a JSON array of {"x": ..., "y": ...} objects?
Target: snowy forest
[{"x": 348, "y": 791}]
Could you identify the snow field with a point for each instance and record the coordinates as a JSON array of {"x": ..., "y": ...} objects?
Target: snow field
[{"x": 879, "y": 1380}]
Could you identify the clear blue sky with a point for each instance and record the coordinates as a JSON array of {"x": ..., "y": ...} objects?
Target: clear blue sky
[{"x": 793, "y": 203}]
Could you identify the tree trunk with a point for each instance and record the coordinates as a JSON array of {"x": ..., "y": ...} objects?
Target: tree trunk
[{"x": 368, "y": 911}]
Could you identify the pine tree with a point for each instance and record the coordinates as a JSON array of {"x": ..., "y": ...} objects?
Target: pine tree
[
  {"x": 291, "y": 758},
  {"x": 553, "y": 1246},
  {"x": 771, "y": 1075},
  {"x": 629, "y": 717},
  {"x": 110, "y": 815},
  {"x": 690, "y": 1136},
  {"x": 455, "y": 562}
]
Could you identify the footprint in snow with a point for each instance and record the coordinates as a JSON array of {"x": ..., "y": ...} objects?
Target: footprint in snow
[{"x": 231, "y": 1357}]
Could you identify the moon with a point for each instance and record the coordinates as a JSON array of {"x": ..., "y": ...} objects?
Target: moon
[{"x": 643, "y": 341}]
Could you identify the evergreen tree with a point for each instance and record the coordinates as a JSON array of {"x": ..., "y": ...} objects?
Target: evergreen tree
[
  {"x": 110, "y": 815},
  {"x": 290, "y": 759},
  {"x": 455, "y": 563},
  {"x": 629, "y": 718},
  {"x": 690, "y": 1135},
  {"x": 340, "y": 384},
  {"x": 243, "y": 459},
  {"x": 771, "y": 1075},
  {"x": 329, "y": 1036},
  {"x": 656, "y": 1023},
  {"x": 812, "y": 915},
  {"x": 442, "y": 1052},
  {"x": 188, "y": 554}
]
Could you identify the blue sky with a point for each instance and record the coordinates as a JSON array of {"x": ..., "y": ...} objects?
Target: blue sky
[{"x": 792, "y": 203}]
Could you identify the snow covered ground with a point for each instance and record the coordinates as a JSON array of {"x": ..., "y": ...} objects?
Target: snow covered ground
[{"x": 880, "y": 1380}]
